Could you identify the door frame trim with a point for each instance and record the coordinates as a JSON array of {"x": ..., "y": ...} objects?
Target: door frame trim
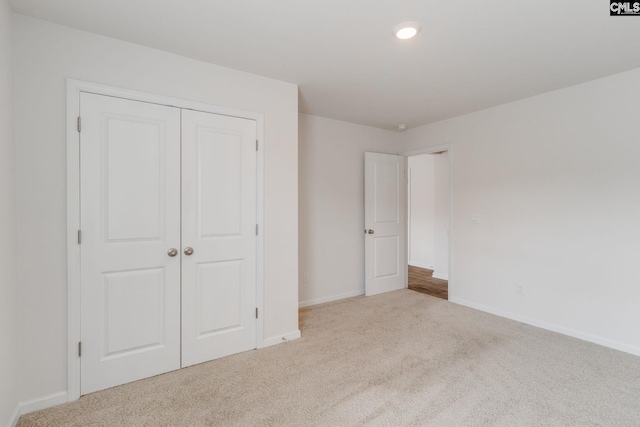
[
  {"x": 74, "y": 89},
  {"x": 429, "y": 150}
]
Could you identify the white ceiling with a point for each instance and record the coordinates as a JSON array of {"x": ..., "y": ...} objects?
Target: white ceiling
[{"x": 470, "y": 54}]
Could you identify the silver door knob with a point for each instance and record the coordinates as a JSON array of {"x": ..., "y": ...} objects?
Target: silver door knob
[
  {"x": 370, "y": 231},
  {"x": 188, "y": 251},
  {"x": 172, "y": 252}
]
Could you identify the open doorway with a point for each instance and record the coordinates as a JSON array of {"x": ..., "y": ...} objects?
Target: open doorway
[{"x": 428, "y": 216}]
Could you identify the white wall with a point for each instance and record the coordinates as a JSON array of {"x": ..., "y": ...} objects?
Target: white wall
[
  {"x": 555, "y": 179},
  {"x": 9, "y": 341},
  {"x": 45, "y": 56},
  {"x": 331, "y": 156},
  {"x": 429, "y": 212},
  {"x": 441, "y": 222},
  {"x": 422, "y": 210}
]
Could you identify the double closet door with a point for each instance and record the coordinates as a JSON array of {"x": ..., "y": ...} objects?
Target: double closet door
[{"x": 168, "y": 238}]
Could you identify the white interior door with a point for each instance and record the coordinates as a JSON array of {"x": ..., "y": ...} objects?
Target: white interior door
[
  {"x": 130, "y": 218},
  {"x": 385, "y": 206},
  {"x": 219, "y": 236}
]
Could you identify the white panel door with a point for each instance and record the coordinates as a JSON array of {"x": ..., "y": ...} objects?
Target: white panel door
[
  {"x": 218, "y": 236},
  {"x": 130, "y": 218},
  {"x": 385, "y": 206}
]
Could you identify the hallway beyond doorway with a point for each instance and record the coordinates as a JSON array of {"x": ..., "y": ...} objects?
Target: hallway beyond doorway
[{"x": 422, "y": 280}]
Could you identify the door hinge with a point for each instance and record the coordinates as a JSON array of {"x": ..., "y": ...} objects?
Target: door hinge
[
  {"x": 256, "y": 312},
  {"x": 79, "y": 348},
  {"x": 256, "y": 145},
  {"x": 256, "y": 229},
  {"x": 79, "y": 237},
  {"x": 79, "y": 124}
]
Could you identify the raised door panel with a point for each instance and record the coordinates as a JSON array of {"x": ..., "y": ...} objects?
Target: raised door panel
[
  {"x": 130, "y": 217},
  {"x": 386, "y": 251},
  {"x": 386, "y": 192},
  {"x": 219, "y": 184},
  {"x": 134, "y": 207},
  {"x": 221, "y": 282},
  {"x": 134, "y": 311},
  {"x": 219, "y": 222}
]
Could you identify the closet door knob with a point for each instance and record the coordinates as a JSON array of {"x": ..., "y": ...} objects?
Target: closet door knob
[
  {"x": 172, "y": 252},
  {"x": 188, "y": 251},
  {"x": 370, "y": 231}
]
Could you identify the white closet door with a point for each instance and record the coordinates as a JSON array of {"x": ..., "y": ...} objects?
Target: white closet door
[
  {"x": 219, "y": 226},
  {"x": 130, "y": 218}
]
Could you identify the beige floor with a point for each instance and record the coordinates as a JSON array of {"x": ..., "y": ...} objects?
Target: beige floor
[{"x": 401, "y": 358}]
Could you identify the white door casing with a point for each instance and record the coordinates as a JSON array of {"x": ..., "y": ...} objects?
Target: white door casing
[
  {"x": 385, "y": 206},
  {"x": 219, "y": 226},
  {"x": 130, "y": 213}
]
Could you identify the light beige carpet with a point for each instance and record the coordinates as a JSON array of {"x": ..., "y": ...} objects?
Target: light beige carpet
[{"x": 396, "y": 359}]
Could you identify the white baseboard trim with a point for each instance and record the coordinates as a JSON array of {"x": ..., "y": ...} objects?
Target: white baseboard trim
[
  {"x": 280, "y": 339},
  {"x": 440, "y": 275},
  {"x": 317, "y": 301},
  {"x": 420, "y": 264},
  {"x": 43, "y": 402},
  {"x": 551, "y": 327},
  {"x": 36, "y": 404},
  {"x": 13, "y": 420}
]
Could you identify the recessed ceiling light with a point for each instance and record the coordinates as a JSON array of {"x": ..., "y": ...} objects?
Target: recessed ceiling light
[{"x": 406, "y": 30}]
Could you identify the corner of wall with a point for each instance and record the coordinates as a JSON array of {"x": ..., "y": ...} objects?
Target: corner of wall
[
  {"x": 9, "y": 289},
  {"x": 331, "y": 205},
  {"x": 15, "y": 416}
]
